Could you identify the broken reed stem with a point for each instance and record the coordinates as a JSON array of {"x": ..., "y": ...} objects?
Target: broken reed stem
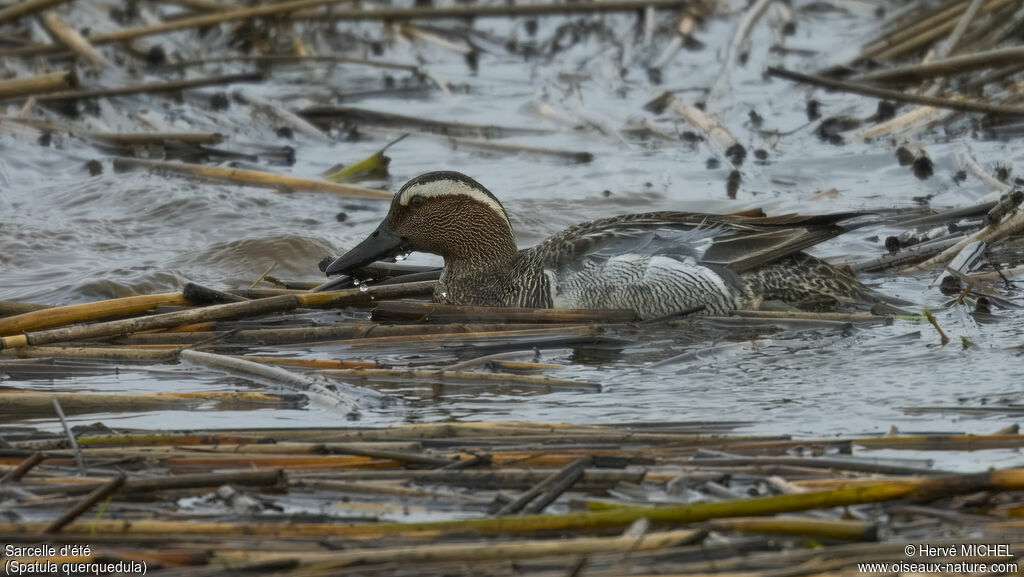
[
  {"x": 936, "y": 102},
  {"x": 73, "y": 40},
  {"x": 935, "y": 323},
  {"x": 35, "y": 85},
  {"x": 250, "y": 177},
  {"x": 23, "y": 468},
  {"x": 98, "y": 494}
]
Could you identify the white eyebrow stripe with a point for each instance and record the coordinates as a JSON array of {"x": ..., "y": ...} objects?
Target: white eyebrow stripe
[{"x": 452, "y": 187}]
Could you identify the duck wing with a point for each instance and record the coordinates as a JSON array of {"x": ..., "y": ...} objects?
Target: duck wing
[{"x": 738, "y": 243}]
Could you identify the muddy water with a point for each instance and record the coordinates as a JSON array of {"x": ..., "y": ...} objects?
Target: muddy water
[{"x": 68, "y": 237}]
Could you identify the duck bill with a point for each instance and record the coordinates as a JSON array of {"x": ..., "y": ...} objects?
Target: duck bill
[{"x": 381, "y": 244}]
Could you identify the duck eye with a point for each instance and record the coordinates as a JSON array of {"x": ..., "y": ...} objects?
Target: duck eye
[{"x": 416, "y": 200}]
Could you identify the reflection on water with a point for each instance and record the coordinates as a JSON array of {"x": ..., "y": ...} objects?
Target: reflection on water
[{"x": 69, "y": 237}]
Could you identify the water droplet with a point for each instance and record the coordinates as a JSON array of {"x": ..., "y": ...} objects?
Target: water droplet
[
  {"x": 356, "y": 282},
  {"x": 363, "y": 287}
]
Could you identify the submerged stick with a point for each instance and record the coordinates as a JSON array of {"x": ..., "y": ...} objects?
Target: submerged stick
[
  {"x": 250, "y": 177},
  {"x": 936, "y": 102},
  {"x": 11, "y": 308},
  {"x": 23, "y": 468},
  {"x": 350, "y": 397},
  {"x": 97, "y": 495}
]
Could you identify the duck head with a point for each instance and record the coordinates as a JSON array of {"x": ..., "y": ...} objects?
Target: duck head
[{"x": 444, "y": 213}]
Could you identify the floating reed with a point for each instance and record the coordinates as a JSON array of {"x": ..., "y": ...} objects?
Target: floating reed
[
  {"x": 440, "y": 313},
  {"x": 35, "y": 85},
  {"x": 249, "y": 177}
]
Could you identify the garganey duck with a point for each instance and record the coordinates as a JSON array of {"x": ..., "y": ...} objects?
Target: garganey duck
[{"x": 655, "y": 263}]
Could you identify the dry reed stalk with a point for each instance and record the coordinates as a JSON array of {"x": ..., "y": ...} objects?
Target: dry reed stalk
[
  {"x": 493, "y": 10},
  {"x": 98, "y": 494},
  {"x": 948, "y": 103},
  {"x": 808, "y": 316},
  {"x": 992, "y": 233},
  {"x": 32, "y": 403},
  {"x": 160, "y": 321},
  {"x": 26, "y": 7},
  {"x": 818, "y": 528},
  {"x": 929, "y": 34},
  {"x": 310, "y": 363},
  {"x": 339, "y": 395},
  {"x": 942, "y": 442},
  {"x": 563, "y": 330},
  {"x": 106, "y": 353},
  {"x": 172, "y": 86},
  {"x": 146, "y": 138},
  {"x": 948, "y": 66},
  {"x": 445, "y": 376},
  {"x": 73, "y": 40},
  {"x": 433, "y": 553},
  {"x": 505, "y": 147},
  {"x": 35, "y": 85},
  {"x": 250, "y": 177},
  {"x": 294, "y": 59},
  {"x": 70, "y": 314},
  {"x": 441, "y": 313},
  {"x": 875, "y": 492},
  {"x": 328, "y": 114}
]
